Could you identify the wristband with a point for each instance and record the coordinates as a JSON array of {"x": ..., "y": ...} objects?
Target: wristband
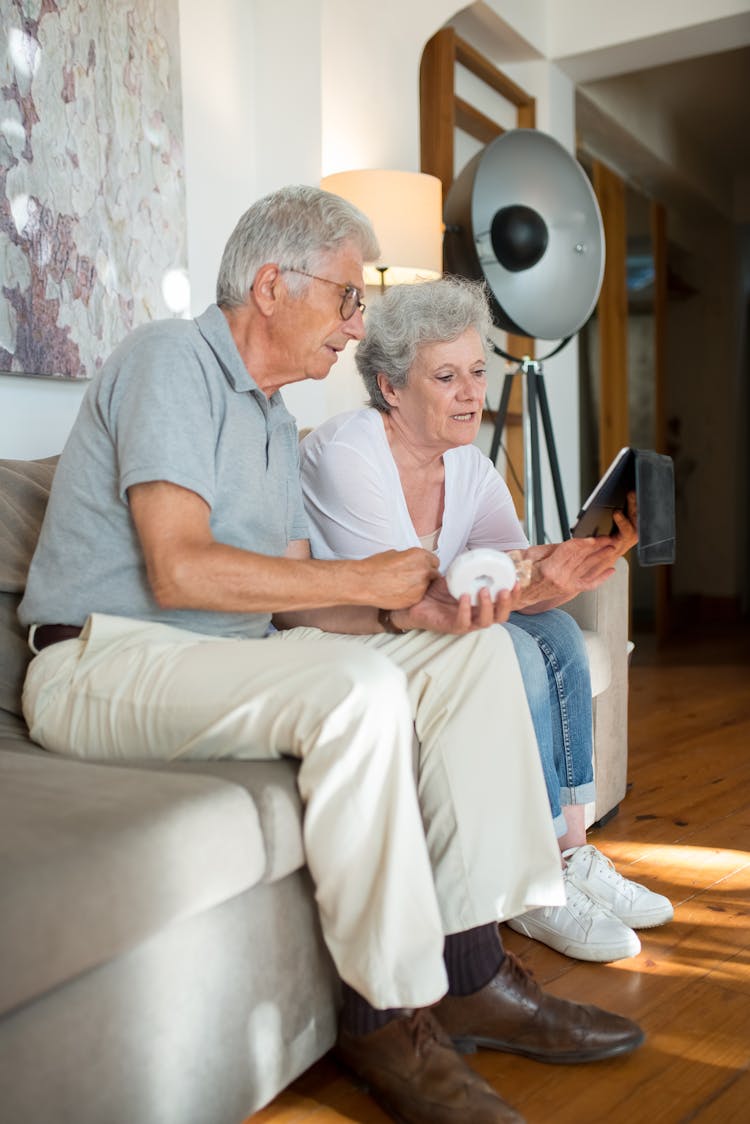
[{"x": 384, "y": 619}]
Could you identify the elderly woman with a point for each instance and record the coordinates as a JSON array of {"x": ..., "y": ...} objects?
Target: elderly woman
[{"x": 404, "y": 472}]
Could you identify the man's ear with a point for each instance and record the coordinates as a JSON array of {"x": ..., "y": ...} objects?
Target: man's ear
[
  {"x": 386, "y": 389},
  {"x": 266, "y": 288}
]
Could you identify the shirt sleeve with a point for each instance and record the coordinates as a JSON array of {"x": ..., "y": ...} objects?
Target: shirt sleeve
[
  {"x": 350, "y": 513},
  {"x": 495, "y": 524},
  {"x": 160, "y": 416},
  {"x": 298, "y": 526}
]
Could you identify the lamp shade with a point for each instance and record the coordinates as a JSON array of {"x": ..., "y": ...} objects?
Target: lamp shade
[
  {"x": 405, "y": 208},
  {"x": 523, "y": 216}
]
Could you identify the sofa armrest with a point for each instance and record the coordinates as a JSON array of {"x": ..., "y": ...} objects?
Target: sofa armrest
[{"x": 605, "y": 611}]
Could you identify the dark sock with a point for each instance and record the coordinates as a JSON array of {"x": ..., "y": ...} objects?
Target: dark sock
[
  {"x": 472, "y": 958},
  {"x": 358, "y": 1017}
]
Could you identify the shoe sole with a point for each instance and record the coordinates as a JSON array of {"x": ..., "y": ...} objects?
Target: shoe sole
[
  {"x": 598, "y": 955},
  {"x": 470, "y": 1045}
]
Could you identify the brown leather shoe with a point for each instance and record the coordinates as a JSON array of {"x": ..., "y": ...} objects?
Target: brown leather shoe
[
  {"x": 410, "y": 1068},
  {"x": 512, "y": 1013}
]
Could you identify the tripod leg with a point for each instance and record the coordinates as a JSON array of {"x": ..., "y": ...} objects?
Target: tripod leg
[
  {"x": 552, "y": 455},
  {"x": 537, "y": 514},
  {"x": 502, "y": 413}
]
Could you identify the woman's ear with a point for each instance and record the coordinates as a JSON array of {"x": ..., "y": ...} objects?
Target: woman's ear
[
  {"x": 265, "y": 287},
  {"x": 389, "y": 394}
]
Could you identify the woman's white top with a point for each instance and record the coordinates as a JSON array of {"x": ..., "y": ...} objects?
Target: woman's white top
[{"x": 356, "y": 505}]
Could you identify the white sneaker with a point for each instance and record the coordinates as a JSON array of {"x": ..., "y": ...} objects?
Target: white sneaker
[
  {"x": 582, "y": 928},
  {"x": 594, "y": 873}
]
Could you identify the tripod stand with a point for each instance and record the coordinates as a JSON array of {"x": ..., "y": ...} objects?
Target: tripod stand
[{"x": 535, "y": 395}]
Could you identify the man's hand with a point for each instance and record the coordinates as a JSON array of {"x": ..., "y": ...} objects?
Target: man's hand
[
  {"x": 397, "y": 579},
  {"x": 439, "y": 611}
]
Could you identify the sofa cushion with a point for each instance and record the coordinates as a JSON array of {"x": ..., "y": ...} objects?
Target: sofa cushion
[
  {"x": 14, "y": 653},
  {"x": 273, "y": 788},
  {"x": 600, "y": 666},
  {"x": 14, "y": 734},
  {"x": 24, "y": 491},
  {"x": 95, "y": 859}
]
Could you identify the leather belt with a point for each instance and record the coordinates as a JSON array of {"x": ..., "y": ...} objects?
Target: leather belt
[{"x": 46, "y": 634}]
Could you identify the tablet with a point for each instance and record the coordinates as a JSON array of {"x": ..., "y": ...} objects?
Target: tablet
[{"x": 596, "y": 517}]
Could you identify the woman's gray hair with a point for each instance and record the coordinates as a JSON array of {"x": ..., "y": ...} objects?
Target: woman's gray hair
[
  {"x": 409, "y": 317},
  {"x": 297, "y": 227}
]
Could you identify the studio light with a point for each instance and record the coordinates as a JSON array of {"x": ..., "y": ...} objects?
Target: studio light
[{"x": 523, "y": 217}]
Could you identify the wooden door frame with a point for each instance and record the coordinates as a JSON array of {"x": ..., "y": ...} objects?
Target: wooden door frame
[
  {"x": 442, "y": 111},
  {"x": 663, "y": 590},
  {"x": 612, "y": 312},
  {"x": 612, "y": 309}
]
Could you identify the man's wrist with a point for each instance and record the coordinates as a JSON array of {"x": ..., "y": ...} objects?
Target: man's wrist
[{"x": 387, "y": 623}]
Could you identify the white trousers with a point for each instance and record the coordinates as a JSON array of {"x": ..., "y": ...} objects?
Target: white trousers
[{"x": 395, "y": 865}]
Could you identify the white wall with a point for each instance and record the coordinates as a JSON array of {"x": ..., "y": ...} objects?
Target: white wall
[
  {"x": 528, "y": 20},
  {"x": 219, "y": 130},
  {"x": 598, "y": 38},
  {"x": 36, "y": 415},
  {"x": 629, "y": 102}
]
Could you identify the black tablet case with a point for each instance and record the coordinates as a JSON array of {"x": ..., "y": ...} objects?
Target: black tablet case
[{"x": 651, "y": 475}]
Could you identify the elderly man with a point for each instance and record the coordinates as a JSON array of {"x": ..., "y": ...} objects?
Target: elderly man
[{"x": 175, "y": 533}]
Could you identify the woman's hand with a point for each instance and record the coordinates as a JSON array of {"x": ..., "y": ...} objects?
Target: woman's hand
[
  {"x": 560, "y": 571},
  {"x": 439, "y": 611},
  {"x": 626, "y": 535}
]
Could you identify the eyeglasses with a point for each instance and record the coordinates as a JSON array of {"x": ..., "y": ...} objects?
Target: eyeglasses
[{"x": 351, "y": 299}]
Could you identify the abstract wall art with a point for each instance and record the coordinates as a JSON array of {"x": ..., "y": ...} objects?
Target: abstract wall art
[{"x": 92, "y": 199}]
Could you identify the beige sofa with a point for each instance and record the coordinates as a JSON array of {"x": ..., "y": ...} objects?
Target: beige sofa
[
  {"x": 161, "y": 959},
  {"x": 604, "y": 618}
]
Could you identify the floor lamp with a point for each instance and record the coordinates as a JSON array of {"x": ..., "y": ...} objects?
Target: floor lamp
[
  {"x": 522, "y": 216},
  {"x": 405, "y": 209}
]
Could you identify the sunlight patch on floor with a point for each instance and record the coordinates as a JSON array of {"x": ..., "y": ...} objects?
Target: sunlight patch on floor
[{"x": 671, "y": 857}]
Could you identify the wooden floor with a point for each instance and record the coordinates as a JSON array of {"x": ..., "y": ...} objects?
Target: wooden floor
[{"x": 684, "y": 829}]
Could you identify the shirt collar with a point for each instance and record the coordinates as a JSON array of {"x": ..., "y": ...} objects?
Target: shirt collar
[{"x": 213, "y": 326}]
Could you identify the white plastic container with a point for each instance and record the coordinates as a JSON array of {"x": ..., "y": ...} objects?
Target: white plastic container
[{"x": 481, "y": 569}]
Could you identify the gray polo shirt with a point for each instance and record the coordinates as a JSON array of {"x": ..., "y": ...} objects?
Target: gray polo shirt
[{"x": 174, "y": 402}]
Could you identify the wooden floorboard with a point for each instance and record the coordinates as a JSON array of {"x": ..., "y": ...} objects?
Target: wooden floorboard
[{"x": 684, "y": 829}]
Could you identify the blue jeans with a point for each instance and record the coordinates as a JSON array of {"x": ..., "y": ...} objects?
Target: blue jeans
[{"x": 552, "y": 657}]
